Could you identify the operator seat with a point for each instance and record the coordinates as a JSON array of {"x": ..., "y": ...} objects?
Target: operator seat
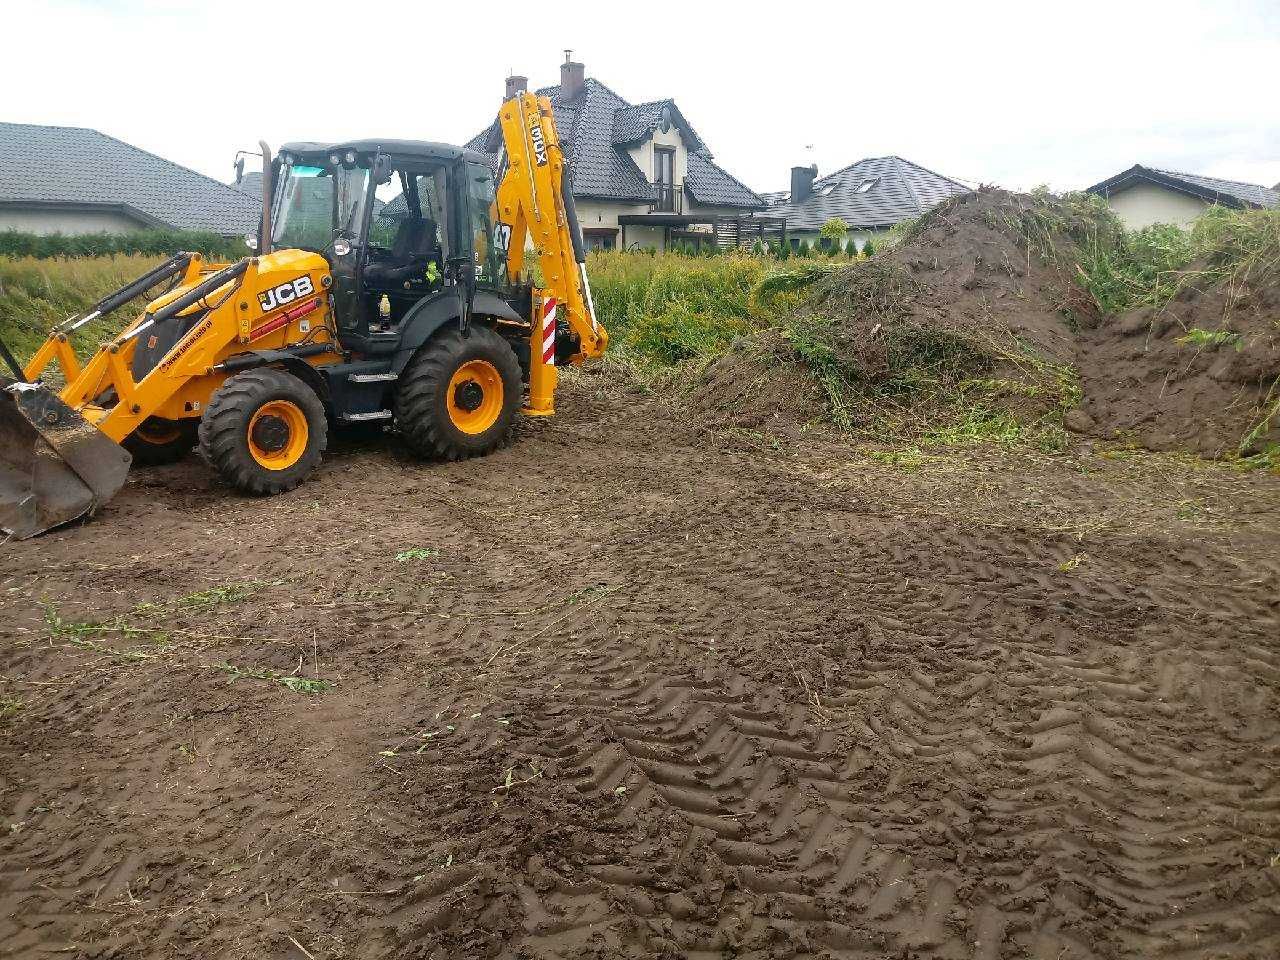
[{"x": 414, "y": 247}]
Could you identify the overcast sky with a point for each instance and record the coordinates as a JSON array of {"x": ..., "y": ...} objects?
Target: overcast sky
[{"x": 1018, "y": 94}]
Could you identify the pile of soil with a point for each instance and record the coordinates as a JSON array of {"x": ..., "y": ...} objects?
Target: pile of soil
[
  {"x": 756, "y": 386},
  {"x": 1145, "y": 377},
  {"x": 982, "y": 298}
]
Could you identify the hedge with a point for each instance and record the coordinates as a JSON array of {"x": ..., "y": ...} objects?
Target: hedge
[{"x": 14, "y": 243}]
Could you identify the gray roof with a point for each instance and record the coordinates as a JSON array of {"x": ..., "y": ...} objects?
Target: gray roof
[
  {"x": 1230, "y": 193},
  {"x": 250, "y": 184},
  {"x": 595, "y": 129},
  {"x": 876, "y": 192},
  {"x": 635, "y": 124},
  {"x": 78, "y": 167}
]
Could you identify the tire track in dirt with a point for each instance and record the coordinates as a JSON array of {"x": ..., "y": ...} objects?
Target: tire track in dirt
[{"x": 653, "y": 697}]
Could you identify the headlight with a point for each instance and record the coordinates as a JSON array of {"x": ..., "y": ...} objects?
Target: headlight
[
  {"x": 351, "y": 158},
  {"x": 335, "y": 159},
  {"x": 341, "y": 247},
  {"x": 251, "y": 241}
]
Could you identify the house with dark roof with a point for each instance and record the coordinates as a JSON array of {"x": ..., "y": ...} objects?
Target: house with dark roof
[
  {"x": 74, "y": 180},
  {"x": 1141, "y": 196},
  {"x": 642, "y": 175},
  {"x": 869, "y": 196}
]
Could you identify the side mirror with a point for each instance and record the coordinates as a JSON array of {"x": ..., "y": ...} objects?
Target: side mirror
[{"x": 381, "y": 169}]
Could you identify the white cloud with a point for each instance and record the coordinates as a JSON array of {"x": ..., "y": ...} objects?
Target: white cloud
[{"x": 1015, "y": 93}]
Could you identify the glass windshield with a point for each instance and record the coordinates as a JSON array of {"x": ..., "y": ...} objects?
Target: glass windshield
[
  {"x": 304, "y": 209},
  {"x": 312, "y": 203},
  {"x": 488, "y": 239}
]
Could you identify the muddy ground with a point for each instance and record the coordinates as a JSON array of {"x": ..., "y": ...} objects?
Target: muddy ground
[{"x": 631, "y": 688}]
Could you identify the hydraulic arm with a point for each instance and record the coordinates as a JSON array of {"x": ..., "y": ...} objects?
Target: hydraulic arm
[{"x": 535, "y": 205}]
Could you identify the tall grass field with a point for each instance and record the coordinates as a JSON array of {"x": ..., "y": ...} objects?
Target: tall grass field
[{"x": 37, "y": 293}]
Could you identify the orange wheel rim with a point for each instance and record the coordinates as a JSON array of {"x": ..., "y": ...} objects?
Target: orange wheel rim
[
  {"x": 278, "y": 435},
  {"x": 162, "y": 432},
  {"x": 475, "y": 396}
]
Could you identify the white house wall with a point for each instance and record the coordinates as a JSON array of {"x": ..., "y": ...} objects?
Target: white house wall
[
  {"x": 642, "y": 153},
  {"x": 67, "y": 222},
  {"x": 1145, "y": 203}
]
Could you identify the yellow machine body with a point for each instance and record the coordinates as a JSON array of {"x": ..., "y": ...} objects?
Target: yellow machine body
[
  {"x": 181, "y": 383},
  {"x": 60, "y": 447}
]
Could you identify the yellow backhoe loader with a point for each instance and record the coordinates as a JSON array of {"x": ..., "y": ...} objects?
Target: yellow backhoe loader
[{"x": 386, "y": 286}]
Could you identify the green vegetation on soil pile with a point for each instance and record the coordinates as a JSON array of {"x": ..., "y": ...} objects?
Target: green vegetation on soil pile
[{"x": 995, "y": 317}]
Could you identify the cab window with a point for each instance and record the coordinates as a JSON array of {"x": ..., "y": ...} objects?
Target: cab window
[{"x": 488, "y": 238}]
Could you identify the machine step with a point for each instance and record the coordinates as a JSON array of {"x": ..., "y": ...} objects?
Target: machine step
[
  {"x": 362, "y": 417},
  {"x": 372, "y": 377}
]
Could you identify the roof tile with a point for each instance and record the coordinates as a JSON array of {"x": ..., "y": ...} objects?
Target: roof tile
[
  {"x": 79, "y": 166},
  {"x": 876, "y": 192},
  {"x": 595, "y": 128}
]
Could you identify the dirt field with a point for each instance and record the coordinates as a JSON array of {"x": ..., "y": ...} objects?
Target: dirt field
[{"x": 633, "y": 689}]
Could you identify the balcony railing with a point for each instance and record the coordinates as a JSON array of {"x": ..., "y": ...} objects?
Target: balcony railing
[{"x": 668, "y": 198}]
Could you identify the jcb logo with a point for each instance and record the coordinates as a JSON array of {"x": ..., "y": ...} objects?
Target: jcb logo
[
  {"x": 285, "y": 293},
  {"x": 539, "y": 144}
]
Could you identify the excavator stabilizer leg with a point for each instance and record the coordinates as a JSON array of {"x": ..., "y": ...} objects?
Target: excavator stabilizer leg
[{"x": 55, "y": 466}]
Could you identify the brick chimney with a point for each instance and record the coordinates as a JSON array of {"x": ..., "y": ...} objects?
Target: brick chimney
[
  {"x": 573, "y": 77},
  {"x": 802, "y": 182},
  {"x": 516, "y": 85}
]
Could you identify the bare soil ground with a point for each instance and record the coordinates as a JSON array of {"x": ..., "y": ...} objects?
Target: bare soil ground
[{"x": 631, "y": 688}]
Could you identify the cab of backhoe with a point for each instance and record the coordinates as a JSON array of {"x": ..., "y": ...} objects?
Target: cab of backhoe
[{"x": 398, "y": 221}]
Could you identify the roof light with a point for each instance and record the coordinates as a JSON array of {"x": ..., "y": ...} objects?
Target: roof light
[{"x": 866, "y": 185}]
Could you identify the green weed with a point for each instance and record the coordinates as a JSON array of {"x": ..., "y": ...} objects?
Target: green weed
[
  {"x": 1197, "y": 337},
  {"x": 227, "y": 593},
  {"x": 414, "y": 554},
  {"x": 288, "y": 681},
  {"x": 9, "y": 707}
]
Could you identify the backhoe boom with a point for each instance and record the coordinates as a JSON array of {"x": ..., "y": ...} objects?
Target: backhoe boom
[{"x": 535, "y": 204}]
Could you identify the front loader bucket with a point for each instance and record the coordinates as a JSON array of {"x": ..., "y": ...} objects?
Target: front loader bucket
[{"x": 55, "y": 466}]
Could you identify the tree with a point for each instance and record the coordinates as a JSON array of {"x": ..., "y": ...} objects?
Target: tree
[
  {"x": 851, "y": 248},
  {"x": 834, "y": 229},
  {"x": 868, "y": 248},
  {"x": 803, "y": 249},
  {"x": 784, "y": 250}
]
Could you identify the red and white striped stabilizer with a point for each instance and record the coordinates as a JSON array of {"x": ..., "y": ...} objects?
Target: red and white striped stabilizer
[{"x": 549, "y": 332}]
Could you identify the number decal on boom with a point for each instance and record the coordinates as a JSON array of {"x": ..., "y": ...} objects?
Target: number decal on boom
[{"x": 502, "y": 235}]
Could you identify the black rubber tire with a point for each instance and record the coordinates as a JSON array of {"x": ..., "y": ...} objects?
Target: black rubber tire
[
  {"x": 421, "y": 405},
  {"x": 224, "y": 440},
  {"x": 152, "y": 453}
]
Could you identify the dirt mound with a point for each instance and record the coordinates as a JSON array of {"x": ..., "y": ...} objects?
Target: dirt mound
[
  {"x": 961, "y": 302},
  {"x": 754, "y": 386},
  {"x": 977, "y": 324},
  {"x": 1200, "y": 373}
]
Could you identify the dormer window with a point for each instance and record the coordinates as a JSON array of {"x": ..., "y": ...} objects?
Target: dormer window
[{"x": 826, "y": 189}]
